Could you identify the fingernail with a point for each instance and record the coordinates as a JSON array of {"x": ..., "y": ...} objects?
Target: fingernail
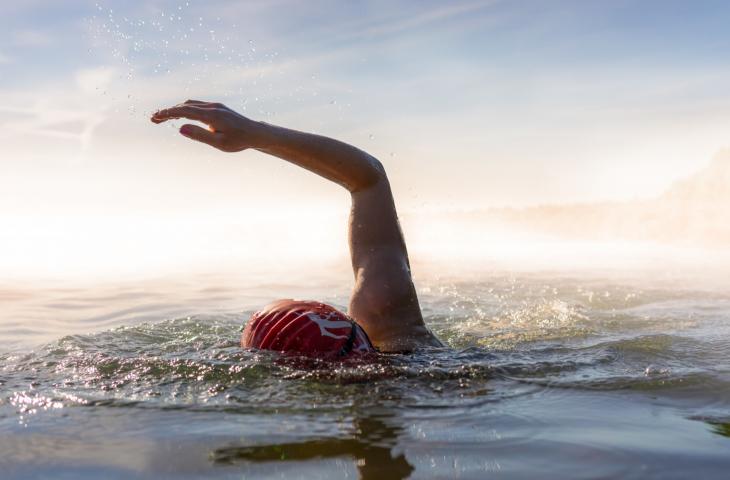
[{"x": 186, "y": 130}]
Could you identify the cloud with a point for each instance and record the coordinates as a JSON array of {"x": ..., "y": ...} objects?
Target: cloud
[
  {"x": 426, "y": 17},
  {"x": 45, "y": 121},
  {"x": 4, "y": 58},
  {"x": 89, "y": 80},
  {"x": 62, "y": 113},
  {"x": 32, "y": 38}
]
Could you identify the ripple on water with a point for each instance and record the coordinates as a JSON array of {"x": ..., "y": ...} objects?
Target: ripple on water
[
  {"x": 528, "y": 370},
  {"x": 195, "y": 363}
]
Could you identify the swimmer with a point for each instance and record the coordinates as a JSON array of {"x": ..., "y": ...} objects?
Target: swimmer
[{"x": 384, "y": 313}]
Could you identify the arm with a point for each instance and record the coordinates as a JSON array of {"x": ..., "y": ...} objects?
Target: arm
[{"x": 384, "y": 299}]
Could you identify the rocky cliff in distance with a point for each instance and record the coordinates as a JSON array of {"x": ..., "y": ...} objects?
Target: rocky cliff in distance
[
  {"x": 693, "y": 211},
  {"x": 698, "y": 208}
]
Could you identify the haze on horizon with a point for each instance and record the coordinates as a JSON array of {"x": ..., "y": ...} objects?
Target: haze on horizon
[{"x": 470, "y": 104}]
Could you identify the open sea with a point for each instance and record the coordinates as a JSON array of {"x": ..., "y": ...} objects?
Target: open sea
[{"x": 547, "y": 374}]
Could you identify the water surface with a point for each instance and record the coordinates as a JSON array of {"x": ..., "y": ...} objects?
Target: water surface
[{"x": 547, "y": 375}]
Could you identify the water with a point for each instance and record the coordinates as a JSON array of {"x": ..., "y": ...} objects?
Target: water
[{"x": 547, "y": 375}]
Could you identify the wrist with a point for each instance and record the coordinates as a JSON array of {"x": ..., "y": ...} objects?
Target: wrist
[{"x": 261, "y": 135}]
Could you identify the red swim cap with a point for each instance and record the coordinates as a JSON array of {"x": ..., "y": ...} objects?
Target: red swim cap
[{"x": 309, "y": 328}]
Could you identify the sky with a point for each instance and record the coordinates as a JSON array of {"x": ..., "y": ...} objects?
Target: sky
[{"x": 469, "y": 104}]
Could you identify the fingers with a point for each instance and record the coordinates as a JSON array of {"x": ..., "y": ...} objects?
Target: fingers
[
  {"x": 202, "y": 104},
  {"x": 201, "y": 134},
  {"x": 184, "y": 111}
]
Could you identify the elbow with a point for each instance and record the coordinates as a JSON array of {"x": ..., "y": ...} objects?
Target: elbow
[
  {"x": 372, "y": 174},
  {"x": 377, "y": 172}
]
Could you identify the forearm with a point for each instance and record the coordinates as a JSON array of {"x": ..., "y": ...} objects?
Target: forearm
[
  {"x": 337, "y": 161},
  {"x": 231, "y": 132}
]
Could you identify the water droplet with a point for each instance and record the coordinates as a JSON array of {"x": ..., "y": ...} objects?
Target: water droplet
[{"x": 371, "y": 136}]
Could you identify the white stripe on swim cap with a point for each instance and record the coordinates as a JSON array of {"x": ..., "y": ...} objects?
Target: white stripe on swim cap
[{"x": 324, "y": 323}]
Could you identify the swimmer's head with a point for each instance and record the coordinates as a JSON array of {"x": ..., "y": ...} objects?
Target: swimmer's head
[{"x": 306, "y": 328}]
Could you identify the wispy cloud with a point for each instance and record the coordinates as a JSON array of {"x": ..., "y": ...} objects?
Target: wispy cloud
[
  {"x": 341, "y": 25},
  {"x": 52, "y": 116},
  {"x": 429, "y": 16},
  {"x": 90, "y": 80},
  {"x": 42, "y": 121},
  {"x": 32, "y": 38}
]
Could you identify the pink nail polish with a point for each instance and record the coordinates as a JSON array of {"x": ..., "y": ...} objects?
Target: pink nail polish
[{"x": 185, "y": 130}]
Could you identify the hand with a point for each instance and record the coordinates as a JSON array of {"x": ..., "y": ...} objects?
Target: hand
[{"x": 227, "y": 130}]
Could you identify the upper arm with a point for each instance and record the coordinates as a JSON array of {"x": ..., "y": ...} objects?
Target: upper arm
[{"x": 384, "y": 300}]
